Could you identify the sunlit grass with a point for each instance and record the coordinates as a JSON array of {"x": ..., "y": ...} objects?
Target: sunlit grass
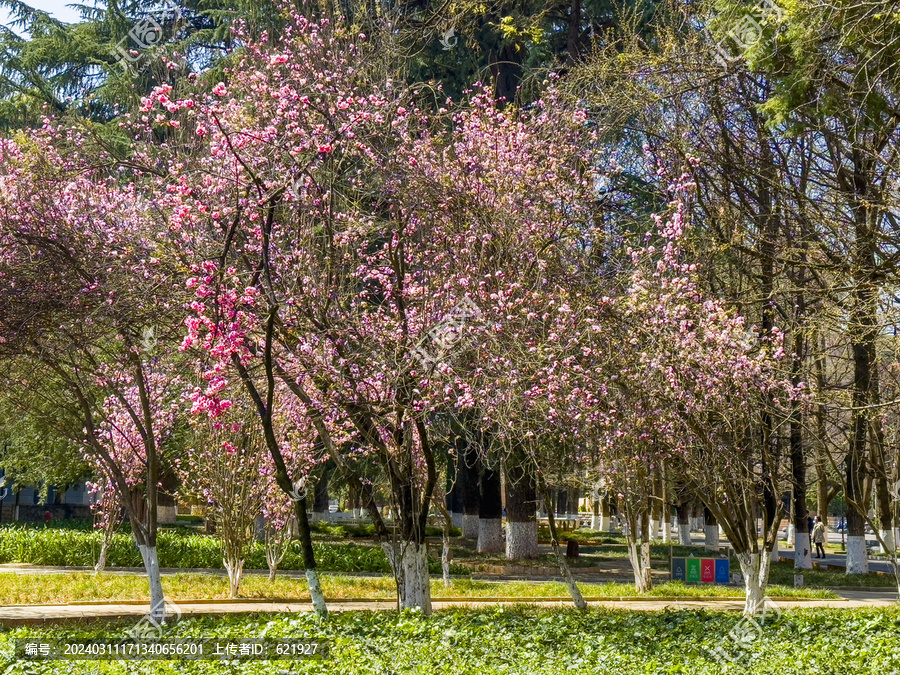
[{"x": 19, "y": 589}]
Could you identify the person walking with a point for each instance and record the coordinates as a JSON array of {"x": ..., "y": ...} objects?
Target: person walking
[{"x": 818, "y": 536}]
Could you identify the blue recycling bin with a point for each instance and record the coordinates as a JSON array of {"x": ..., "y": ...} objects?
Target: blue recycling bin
[{"x": 723, "y": 573}]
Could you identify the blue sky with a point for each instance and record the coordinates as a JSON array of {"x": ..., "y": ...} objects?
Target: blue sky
[{"x": 55, "y": 7}]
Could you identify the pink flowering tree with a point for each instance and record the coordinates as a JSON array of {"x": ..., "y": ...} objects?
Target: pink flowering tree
[
  {"x": 278, "y": 515},
  {"x": 711, "y": 383},
  {"x": 225, "y": 469},
  {"x": 301, "y": 274},
  {"x": 86, "y": 302},
  {"x": 507, "y": 200},
  {"x": 107, "y": 509}
]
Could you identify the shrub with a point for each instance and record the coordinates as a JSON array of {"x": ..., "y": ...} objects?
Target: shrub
[{"x": 178, "y": 548}]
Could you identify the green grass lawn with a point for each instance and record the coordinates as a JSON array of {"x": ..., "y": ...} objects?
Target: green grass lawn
[
  {"x": 19, "y": 589},
  {"x": 520, "y": 641},
  {"x": 783, "y": 573}
]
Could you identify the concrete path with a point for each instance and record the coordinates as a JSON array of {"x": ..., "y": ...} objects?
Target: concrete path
[{"x": 38, "y": 614}]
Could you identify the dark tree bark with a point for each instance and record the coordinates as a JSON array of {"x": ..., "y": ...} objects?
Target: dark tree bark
[
  {"x": 320, "y": 497},
  {"x": 490, "y": 513},
  {"x": 468, "y": 471},
  {"x": 521, "y": 512}
]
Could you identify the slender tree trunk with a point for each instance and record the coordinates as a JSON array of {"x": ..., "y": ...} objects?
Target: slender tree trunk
[
  {"x": 800, "y": 521},
  {"x": 151, "y": 564},
  {"x": 575, "y": 592},
  {"x": 638, "y": 541},
  {"x": 309, "y": 558},
  {"x": 468, "y": 476},
  {"x": 655, "y": 514},
  {"x": 453, "y": 501},
  {"x": 445, "y": 541},
  {"x": 573, "y": 32}
]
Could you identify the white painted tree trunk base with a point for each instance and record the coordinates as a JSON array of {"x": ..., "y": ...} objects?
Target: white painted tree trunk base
[
  {"x": 157, "y": 599},
  {"x": 639, "y": 556},
  {"x": 755, "y": 569},
  {"x": 521, "y": 540},
  {"x": 802, "y": 551},
  {"x": 470, "y": 526},
  {"x": 101, "y": 561},
  {"x": 711, "y": 534},
  {"x": 490, "y": 535},
  {"x": 654, "y": 529},
  {"x": 596, "y": 522},
  {"x": 415, "y": 588},
  {"x": 684, "y": 534},
  {"x": 456, "y": 519},
  {"x": 890, "y": 541},
  {"x": 316, "y": 594},
  {"x": 574, "y": 591},
  {"x": 235, "y": 570},
  {"x": 857, "y": 556},
  {"x": 791, "y": 534}
]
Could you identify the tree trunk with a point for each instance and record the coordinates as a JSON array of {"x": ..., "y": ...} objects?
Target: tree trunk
[
  {"x": 157, "y": 599},
  {"x": 863, "y": 329},
  {"x": 320, "y": 497},
  {"x": 309, "y": 558},
  {"x": 683, "y": 512},
  {"x": 101, "y": 560},
  {"x": 710, "y": 531},
  {"x": 755, "y": 568},
  {"x": 638, "y": 540},
  {"x": 521, "y": 518},
  {"x": 574, "y": 31},
  {"x": 490, "y": 514},
  {"x": 574, "y": 591},
  {"x": 234, "y": 566},
  {"x": 596, "y": 519},
  {"x": 800, "y": 521},
  {"x": 823, "y": 494},
  {"x": 453, "y": 488},
  {"x": 857, "y": 556},
  {"x": 468, "y": 477},
  {"x": 409, "y": 560}
]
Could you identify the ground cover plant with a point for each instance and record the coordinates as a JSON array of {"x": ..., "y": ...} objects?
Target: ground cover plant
[{"x": 514, "y": 640}]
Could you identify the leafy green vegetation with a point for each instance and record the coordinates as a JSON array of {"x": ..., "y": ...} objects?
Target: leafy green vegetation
[
  {"x": 332, "y": 529},
  {"x": 178, "y": 548},
  {"x": 508, "y": 640},
  {"x": 783, "y": 573}
]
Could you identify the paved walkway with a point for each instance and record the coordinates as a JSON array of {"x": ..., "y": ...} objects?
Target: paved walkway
[{"x": 37, "y": 614}]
